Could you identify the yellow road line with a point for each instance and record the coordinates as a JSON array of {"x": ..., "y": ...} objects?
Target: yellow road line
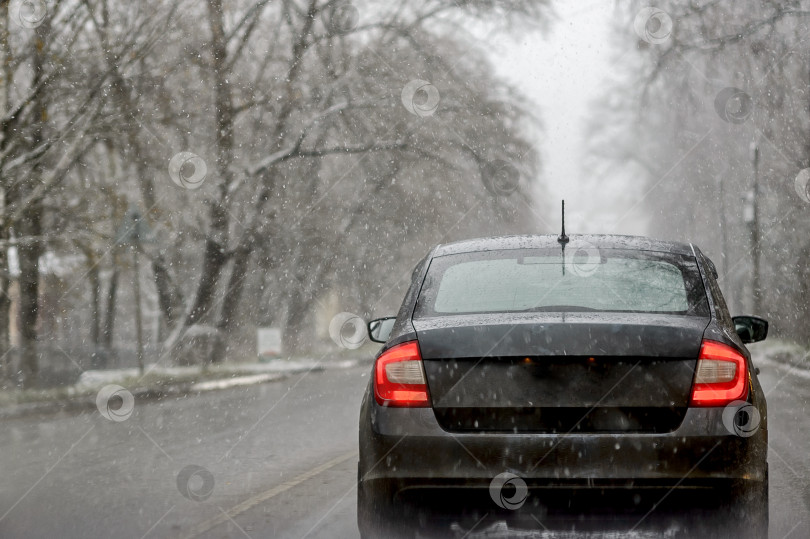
[{"x": 266, "y": 495}]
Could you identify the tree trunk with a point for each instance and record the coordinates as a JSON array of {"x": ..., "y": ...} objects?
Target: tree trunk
[
  {"x": 29, "y": 252},
  {"x": 109, "y": 318},
  {"x": 168, "y": 297},
  {"x": 5, "y": 282},
  {"x": 134, "y": 152},
  {"x": 29, "y": 229},
  {"x": 95, "y": 310},
  {"x": 233, "y": 296},
  {"x": 216, "y": 243},
  {"x": 95, "y": 307},
  {"x": 294, "y": 323},
  {"x": 804, "y": 293},
  {"x": 214, "y": 259},
  {"x": 5, "y": 317}
]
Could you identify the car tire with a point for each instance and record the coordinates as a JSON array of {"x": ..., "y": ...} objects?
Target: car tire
[{"x": 375, "y": 512}]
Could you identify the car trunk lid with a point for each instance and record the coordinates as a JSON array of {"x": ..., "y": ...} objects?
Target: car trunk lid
[{"x": 560, "y": 372}]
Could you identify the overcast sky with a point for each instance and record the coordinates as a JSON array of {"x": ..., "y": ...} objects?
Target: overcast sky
[{"x": 563, "y": 70}]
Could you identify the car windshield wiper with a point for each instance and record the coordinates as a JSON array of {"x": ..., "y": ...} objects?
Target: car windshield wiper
[{"x": 555, "y": 308}]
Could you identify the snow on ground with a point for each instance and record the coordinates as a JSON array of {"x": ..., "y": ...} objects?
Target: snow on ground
[
  {"x": 501, "y": 529},
  {"x": 225, "y": 383},
  {"x": 227, "y": 372}
]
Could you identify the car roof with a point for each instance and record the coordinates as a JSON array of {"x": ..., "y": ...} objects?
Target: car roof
[{"x": 540, "y": 241}]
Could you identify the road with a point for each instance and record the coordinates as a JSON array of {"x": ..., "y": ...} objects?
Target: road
[{"x": 274, "y": 460}]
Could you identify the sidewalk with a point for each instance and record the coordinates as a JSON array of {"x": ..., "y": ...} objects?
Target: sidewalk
[{"x": 158, "y": 382}]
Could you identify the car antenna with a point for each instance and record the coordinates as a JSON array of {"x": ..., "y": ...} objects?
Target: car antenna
[{"x": 562, "y": 239}]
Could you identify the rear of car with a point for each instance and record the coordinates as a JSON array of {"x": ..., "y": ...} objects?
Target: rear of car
[{"x": 610, "y": 364}]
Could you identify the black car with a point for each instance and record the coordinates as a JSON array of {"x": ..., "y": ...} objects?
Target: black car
[{"x": 528, "y": 370}]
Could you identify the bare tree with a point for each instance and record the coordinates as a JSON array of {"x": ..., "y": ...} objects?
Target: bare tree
[
  {"x": 321, "y": 130},
  {"x": 716, "y": 118}
]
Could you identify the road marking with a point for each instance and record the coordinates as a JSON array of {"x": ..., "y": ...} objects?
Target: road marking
[{"x": 236, "y": 510}]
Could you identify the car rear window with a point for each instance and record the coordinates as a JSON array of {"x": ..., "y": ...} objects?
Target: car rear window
[{"x": 586, "y": 280}]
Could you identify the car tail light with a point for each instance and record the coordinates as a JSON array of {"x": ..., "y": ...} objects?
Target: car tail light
[
  {"x": 721, "y": 375},
  {"x": 399, "y": 378}
]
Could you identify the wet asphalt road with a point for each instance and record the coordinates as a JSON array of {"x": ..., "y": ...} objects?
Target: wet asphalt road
[{"x": 279, "y": 460}]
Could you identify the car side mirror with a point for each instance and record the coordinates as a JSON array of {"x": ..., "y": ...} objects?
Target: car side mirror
[
  {"x": 380, "y": 329},
  {"x": 751, "y": 328}
]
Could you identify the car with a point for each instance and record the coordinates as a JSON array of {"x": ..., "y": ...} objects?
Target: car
[{"x": 521, "y": 365}]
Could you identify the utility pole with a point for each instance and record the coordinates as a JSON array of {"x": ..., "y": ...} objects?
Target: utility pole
[
  {"x": 133, "y": 232},
  {"x": 755, "y": 248},
  {"x": 136, "y": 269},
  {"x": 721, "y": 180}
]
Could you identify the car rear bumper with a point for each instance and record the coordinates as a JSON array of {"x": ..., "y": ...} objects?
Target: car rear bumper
[{"x": 406, "y": 447}]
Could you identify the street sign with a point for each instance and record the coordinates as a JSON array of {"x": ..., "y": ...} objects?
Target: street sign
[{"x": 268, "y": 342}]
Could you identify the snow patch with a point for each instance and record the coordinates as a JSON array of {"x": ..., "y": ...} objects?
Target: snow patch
[
  {"x": 228, "y": 371},
  {"x": 502, "y": 529},
  {"x": 236, "y": 381}
]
